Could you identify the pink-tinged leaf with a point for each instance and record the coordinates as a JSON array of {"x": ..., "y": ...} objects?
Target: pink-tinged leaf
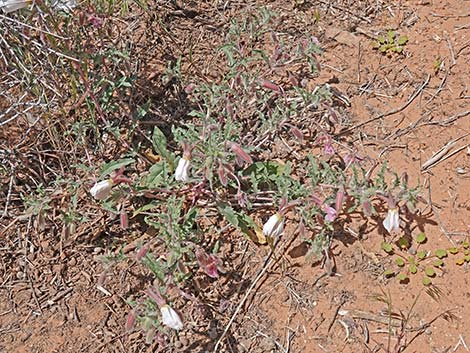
[
  {"x": 130, "y": 321},
  {"x": 333, "y": 116},
  {"x": 367, "y": 208},
  {"x": 298, "y": 134},
  {"x": 102, "y": 278},
  {"x": 240, "y": 155},
  {"x": 221, "y": 172},
  {"x": 141, "y": 253},
  {"x": 293, "y": 81},
  {"x": 274, "y": 37},
  {"x": 242, "y": 199},
  {"x": 339, "y": 199},
  {"x": 272, "y": 86},
  {"x": 317, "y": 200},
  {"x": 229, "y": 109},
  {"x": 124, "y": 220},
  {"x": 156, "y": 296},
  {"x": 211, "y": 270},
  {"x": 189, "y": 88}
]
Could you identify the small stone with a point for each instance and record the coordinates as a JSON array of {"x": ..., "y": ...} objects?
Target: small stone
[
  {"x": 184, "y": 341},
  {"x": 20, "y": 275}
]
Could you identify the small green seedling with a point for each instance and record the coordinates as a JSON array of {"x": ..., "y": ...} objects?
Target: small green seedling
[
  {"x": 391, "y": 43},
  {"x": 410, "y": 259}
]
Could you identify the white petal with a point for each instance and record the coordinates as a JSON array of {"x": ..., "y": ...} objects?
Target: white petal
[
  {"x": 274, "y": 226},
  {"x": 171, "y": 318},
  {"x": 182, "y": 170},
  {"x": 101, "y": 190},
  {"x": 392, "y": 221}
]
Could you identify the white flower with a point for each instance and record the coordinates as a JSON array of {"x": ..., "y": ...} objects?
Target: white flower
[
  {"x": 13, "y": 5},
  {"x": 274, "y": 226},
  {"x": 101, "y": 190},
  {"x": 171, "y": 318},
  {"x": 392, "y": 221},
  {"x": 182, "y": 170}
]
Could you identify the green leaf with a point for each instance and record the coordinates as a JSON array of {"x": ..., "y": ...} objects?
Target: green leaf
[
  {"x": 157, "y": 176},
  {"x": 465, "y": 244},
  {"x": 441, "y": 253},
  {"x": 467, "y": 258},
  {"x": 160, "y": 146},
  {"x": 438, "y": 263},
  {"x": 381, "y": 40},
  {"x": 387, "y": 247},
  {"x": 413, "y": 268},
  {"x": 402, "y": 40},
  {"x": 421, "y": 238},
  {"x": 430, "y": 272},
  {"x": 229, "y": 214},
  {"x": 110, "y": 167},
  {"x": 403, "y": 243},
  {"x": 426, "y": 281},
  {"x": 421, "y": 254},
  {"x": 144, "y": 208},
  {"x": 391, "y": 36},
  {"x": 402, "y": 277},
  {"x": 453, "y": 251},
  {"x": 400, "y": 262},
  {"x": 389, "y": 273}
]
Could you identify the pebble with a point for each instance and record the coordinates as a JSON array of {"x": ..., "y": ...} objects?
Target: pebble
[
  {"x": 20, "y": 275},
  {"x": 184, "y": 341}
]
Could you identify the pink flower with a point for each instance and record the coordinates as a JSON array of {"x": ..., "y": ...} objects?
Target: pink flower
[
  {"x": 330, "y": 213},
  {"x": 329, "y": 149},
  {"x": 210, "y": 263}
]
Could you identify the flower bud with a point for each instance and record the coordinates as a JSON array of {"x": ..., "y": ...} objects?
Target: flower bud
[
  {"x": 171, "y": 318},
  {"x": 392, "y": 221},
  {"x": 182, "y": 170},
  {"x": 274, "y": 227},
  {"x": 101, "y": 190}
]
